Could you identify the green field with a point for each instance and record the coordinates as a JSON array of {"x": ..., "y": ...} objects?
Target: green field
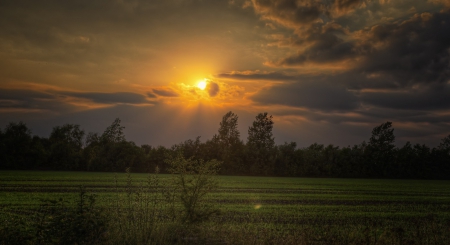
[{"x": 269, "y": 210}]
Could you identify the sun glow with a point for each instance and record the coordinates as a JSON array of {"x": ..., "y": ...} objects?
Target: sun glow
[{"x": 201, "y": 85}]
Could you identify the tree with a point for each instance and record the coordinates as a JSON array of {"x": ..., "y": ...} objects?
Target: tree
[
  {"x": 445, "y": 144},
  {"x": 40, "y": 150},
  {"x": 66, "y": 147},
  {"x": 111, "y": 151},
  {"x": 228, "y": 131},
  {"x": 313, "y": 160},
  {"x": 114, "y": 133},
  {"x": 383, "y": 137},
  {"x": 441, "y": 157},
  {"x": 381, "y": 149},
  {"x": 16, "y": 141},
  {"x": 229, "y": 143},
  {"x": 261, "y": 145},
  {"x": 286, "y": 162},
  {"x": 190, "y": 148},
  {"x": 193, "y": 181}
]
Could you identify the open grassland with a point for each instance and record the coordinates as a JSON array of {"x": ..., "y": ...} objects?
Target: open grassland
[{"x": 266, "y": 210}]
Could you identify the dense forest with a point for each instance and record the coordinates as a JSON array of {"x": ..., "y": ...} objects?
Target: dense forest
[{"x": 69, "y": 148}]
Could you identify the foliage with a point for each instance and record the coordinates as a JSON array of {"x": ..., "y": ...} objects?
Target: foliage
[
  {"x": 110, "y": 151},
  {"x": 229, "y": 143},
  {"x": 261, "y": 145},
  {"x": 16, "y": 146},
  {"x": 193, "y": 181},
  {"x": 66, "y": 147},
  {"x": 113, "y": 133}
]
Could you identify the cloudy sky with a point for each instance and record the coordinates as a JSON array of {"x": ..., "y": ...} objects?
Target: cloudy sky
[{"x": 327, "y": 70}]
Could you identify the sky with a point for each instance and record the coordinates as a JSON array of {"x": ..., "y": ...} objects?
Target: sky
[{"x": 328, "y": 71}]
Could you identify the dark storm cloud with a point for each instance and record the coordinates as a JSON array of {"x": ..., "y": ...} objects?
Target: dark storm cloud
[
  {"x": 23, "y": 99},
  {"x": 60, "y": 101},
  {"x": 165, "y": 92},
  {"x": 213, "y": 89},
  {"x": 435, "y": 98},
  {"x": 412, "y": 51},
  {"x": 295, "y": 14},
  {"x": 373, "y": 113},
  {"x": 290, "y": 12},
  {"x": 351, "y": 79},
  {"x": 255, "y": 75},
  {"x": 316, "y": 96},
  {"x": 326, "y": 45},
  {"x": 344, "y": 6},
  {"x": 151, "y": 95},
  {"x": 400, "y": 51},
  {"x": 109, "y": 98},
  {"x": 415, "y": 50},
  {"x": 24, "y": 94}
]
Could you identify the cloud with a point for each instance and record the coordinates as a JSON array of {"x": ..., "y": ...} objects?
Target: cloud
[
  {"x": 405, "y": 52},
  {"x": 109, "y": 98},
  {"x": 60, "y": 101},
  {"x": 428, "y": 98},
  {"x": 22, "y": 100},
  {"x": 151, "y": 95},
  {"x": 327, "y": 43},
  {"x": 24, "y": 95},
  {"x": 212, "y": 88},
  {"x": 298, "y": 14},
  {"x": 256, "y": 75},
  {"x": 346, "y": 6},
  {"x": 165, "y": 92},
  {"x": 315, "y": 96},
  {"x": 412, "y": 51},
  {"x": 290, "y": 13},
  {"x": 445, "y": 3}
]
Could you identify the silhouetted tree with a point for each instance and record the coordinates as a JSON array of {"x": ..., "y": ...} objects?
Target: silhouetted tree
[
  {"x": 113, "y": 133},
  {"x": 111, "y": 151},
  {"x": 381, "y": 149},
  {"x": 405, "y": 161},
  {"x": 441, "y": 159},
  {"x": 229, "y": 143},
  {"x": 423, "y": 158},
  {"x": 40, "y": 152},
  {"x": 286, "y": 163},
  {"x": 66, "y": 147},
  {"x": 190, "y": 148},
  {"x": 261, "y": 145},
  {"x": 157, "y": 158},
  {"x": 313, "y": 160},
  {"x": 17, "y": 147}
]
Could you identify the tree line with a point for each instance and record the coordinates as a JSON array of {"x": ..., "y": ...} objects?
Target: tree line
[{"x": 69, "y": 148}]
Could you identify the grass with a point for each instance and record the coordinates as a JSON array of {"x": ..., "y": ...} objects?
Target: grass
[{"x": 263, "y": 210}]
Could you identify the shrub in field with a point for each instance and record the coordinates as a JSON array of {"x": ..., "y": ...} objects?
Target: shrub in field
[
  {"x": 192, "y": 181},
  {"x": 153, "y": 213}
]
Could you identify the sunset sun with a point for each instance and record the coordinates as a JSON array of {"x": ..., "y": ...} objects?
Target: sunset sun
[{"x": 201, "y": 85}]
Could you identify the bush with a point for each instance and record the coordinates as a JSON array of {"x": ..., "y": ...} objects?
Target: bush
[{"x": 192, "y": 181}]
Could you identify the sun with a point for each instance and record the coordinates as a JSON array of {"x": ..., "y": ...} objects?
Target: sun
[{"x": 201, "y": 85}]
